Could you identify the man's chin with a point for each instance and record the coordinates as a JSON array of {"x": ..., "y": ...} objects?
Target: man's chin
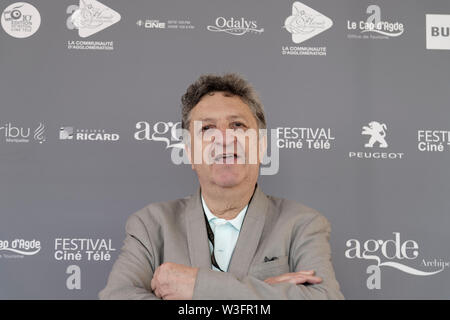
[{"x": 227, "y": 183}]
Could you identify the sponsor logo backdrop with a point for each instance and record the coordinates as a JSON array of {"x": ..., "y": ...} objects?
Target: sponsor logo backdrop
[{"x": 357, "y": 100}]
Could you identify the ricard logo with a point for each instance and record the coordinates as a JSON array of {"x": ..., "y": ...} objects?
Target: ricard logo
[{"x": 70, "y": 133}]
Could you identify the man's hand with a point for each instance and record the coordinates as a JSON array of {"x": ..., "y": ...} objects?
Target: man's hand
[
  {"x": 172, "y": 281},
  {"x": 295, "y": 278}
]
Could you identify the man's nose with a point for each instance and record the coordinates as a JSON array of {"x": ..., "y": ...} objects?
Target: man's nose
[{"x": 227, "y": 136}]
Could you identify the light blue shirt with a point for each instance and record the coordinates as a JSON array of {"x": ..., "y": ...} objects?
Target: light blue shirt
[{"x": 226, "y": 233}]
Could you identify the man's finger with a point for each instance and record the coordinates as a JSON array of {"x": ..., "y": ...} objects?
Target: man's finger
[
  {"x": 287, "y": 276},
  {"x": 309, "y": 279},
  {"x": 298, "y": 280},
  {"x": 294, "y": 278},
  {"x": 280, "y": 278},
  {"x": 153, "y": 284},
  {"x": 291, "y": 279},
  {"x": 157, "y": 293},
  {"x": 310, "y": 272},
  {"x": 157, "y": 272}
]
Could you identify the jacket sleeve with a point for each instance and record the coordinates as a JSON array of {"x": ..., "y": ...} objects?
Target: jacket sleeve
[
  {"x": 310, "y": 249},
  {"x": 132, "y": 272}
]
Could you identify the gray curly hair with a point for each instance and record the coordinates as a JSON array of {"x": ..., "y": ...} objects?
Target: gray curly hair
[{"x": 232, "y": 84}]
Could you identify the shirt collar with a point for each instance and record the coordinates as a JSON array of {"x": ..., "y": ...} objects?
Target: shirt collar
[{"x": 236, "y": 222}]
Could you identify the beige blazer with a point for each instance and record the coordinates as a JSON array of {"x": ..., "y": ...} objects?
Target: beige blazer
[{"x": 175, "y": 231}]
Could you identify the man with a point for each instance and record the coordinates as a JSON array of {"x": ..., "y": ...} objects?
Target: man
[{"x": 229, "y": 240}]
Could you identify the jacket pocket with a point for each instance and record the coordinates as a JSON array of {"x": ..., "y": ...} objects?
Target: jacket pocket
[{"x": 269, "y": 269}]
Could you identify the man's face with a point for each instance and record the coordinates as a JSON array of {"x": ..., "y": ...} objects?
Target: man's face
[{"x": 226, "y": 158}]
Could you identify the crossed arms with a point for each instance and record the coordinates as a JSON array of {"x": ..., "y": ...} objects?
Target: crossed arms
[{"x": 132, "y": 276}]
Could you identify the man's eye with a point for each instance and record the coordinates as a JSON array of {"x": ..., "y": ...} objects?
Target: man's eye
[
  {"x": 206, "y": 128},
  {"x": 239, "y": 124}
]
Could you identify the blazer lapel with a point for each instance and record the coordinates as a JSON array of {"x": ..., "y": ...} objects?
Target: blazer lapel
[
  {"x": 196, "y": 233},
  {"x": 249, "y": 235}
]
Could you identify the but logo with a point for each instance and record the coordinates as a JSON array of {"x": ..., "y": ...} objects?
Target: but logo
[{"x": 438, "y": 31}]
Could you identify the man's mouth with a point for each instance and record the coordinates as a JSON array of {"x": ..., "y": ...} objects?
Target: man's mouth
[{"x": 225, "y": 157}]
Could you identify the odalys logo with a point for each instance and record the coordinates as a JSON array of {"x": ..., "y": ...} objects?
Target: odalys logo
[{"x": 391, "y": 253}]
